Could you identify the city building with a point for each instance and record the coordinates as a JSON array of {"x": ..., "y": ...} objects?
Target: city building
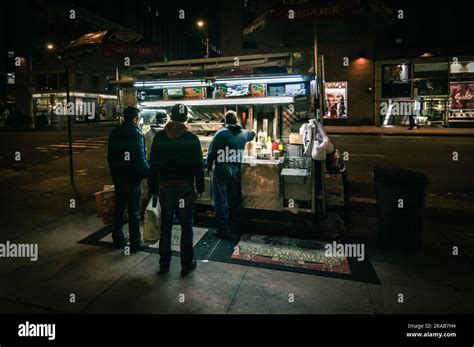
[{"x": 363, "y": 48}]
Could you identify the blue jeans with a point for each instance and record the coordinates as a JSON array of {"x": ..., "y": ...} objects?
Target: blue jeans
[
  {"x": 226, "y": 195},
  {"x": 179, "y": 199},
  {"x": 127, "y": 195}
]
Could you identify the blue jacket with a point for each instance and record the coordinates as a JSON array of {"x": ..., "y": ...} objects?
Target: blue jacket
[
  {"x": 231, "y": 137},
  {"x": 126, "y": 155}
]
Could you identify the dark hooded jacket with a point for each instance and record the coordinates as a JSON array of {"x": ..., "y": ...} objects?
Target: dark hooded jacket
[
  {"x": 126, "y": 155},
  {"x": 231, "y": 137},
  {"x": 176, "y": 155}
]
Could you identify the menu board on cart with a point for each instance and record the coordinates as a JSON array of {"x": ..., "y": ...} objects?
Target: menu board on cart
[
  {"x": 172, "y": 93},
  {"x": 194, "y": 93},
  {"x": 257, "y": 90}
]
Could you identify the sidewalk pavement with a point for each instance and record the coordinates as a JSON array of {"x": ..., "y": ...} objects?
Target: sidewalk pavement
[
  {"x": 35, "y": 208},
  {"x": 396, "y": 130}
]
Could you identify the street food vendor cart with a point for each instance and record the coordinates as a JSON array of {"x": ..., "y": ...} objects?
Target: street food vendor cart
[{"x": 272, "y": 94}]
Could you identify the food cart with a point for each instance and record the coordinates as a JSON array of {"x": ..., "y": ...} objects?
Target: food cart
[{"x": 272, "y": 94}]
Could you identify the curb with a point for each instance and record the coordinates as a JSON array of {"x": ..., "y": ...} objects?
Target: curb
[{"x": 401, "y": 134}]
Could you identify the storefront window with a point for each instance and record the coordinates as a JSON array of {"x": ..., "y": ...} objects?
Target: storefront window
[
  {"x": 430, "y": 79},
  {"x": 42, "y": 82},
  {"x": 461, "y": 92},
  {"x": 11, "y": 78},
  {"x": 396, "y": 81},
  {"x": 53, "y": 81},
  {"x": 62, "y": 81},
  {"x": 95, "y": 83}
]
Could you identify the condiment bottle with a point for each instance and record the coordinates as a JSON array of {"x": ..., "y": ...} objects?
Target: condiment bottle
[{"x": 269, "y": 145}]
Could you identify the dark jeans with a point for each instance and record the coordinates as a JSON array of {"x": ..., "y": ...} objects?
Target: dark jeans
[
  {"x": 127, "y": 195},
  {"x": 226, "y": 195},
  {"x": 179, "y": 199}
]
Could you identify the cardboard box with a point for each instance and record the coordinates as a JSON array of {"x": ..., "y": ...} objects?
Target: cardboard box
[{"x": 296, "y": 139}]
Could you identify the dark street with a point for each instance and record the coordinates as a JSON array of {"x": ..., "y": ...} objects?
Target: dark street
[
  {"x": 450, "y": 183},
  {"x": 433, "y": 155}
]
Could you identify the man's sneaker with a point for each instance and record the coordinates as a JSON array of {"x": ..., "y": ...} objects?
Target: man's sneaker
[
  {"x": 164, "y": 269},
  {"x": 186, "y": 269},
  {"x": 134, "y": 248},
  {"x": 119, "y": 244}
]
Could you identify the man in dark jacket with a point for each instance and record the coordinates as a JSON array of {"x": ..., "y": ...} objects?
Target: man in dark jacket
[
  {"x": 128, "y": 166},
  {"x": 176, "y": 172},
  {"x": 226, "y": 152}
]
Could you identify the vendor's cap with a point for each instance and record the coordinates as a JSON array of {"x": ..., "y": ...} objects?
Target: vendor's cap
[
  {"x": 179, "y": 113},
  {"x": 130, "y": 113}
]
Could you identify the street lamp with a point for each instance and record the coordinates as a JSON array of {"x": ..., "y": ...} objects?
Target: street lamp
[
  {"x": 50, "y": 46},
  {"x": 202, "y": 25}
]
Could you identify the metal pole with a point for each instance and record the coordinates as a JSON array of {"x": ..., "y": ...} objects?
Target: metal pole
[
  {"x": 71, "y": 166},
  {"x": 318, "y": 116},
  {"x": 207, "y": 47}
]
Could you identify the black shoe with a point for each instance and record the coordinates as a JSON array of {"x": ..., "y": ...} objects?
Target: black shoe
[
  {"x": 164, "y": 269},
  {"x": 186, "y": 269},
  {"x": 134, "y": 248},
  {"x": 119, "y": 244}
]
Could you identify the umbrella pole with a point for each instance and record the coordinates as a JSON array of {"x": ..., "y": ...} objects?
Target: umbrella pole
[
  {"x": 69, "y": 134},
  {"x": 318, "y": 109}
]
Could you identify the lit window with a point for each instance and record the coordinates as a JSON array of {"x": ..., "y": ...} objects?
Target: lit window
[{"x": 11, "y": 78}]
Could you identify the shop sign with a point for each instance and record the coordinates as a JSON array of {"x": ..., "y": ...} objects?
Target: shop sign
[
  {"x": 144, "y": 51},
  {"x": 462, "y": 67},
  {"x": 462, "y": 96}
]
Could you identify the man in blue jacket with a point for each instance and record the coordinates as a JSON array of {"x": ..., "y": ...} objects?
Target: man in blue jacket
[
  {"x": 226, "y": 152},
  {"x": 128, "y": 166}
]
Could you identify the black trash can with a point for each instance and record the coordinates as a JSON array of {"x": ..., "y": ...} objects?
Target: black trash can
[{"x": 400, "y": 198}]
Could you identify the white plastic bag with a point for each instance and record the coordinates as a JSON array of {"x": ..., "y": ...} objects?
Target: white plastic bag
[
  {"x": 329, "y": 147},
  {"x": 322, "y": 145},
  {"x": 319, "y": 148},
  {"x": 152, "y": 224}
]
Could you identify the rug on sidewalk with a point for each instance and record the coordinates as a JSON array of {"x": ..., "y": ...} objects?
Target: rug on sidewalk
[
  {"x": 295, "y": 255},
  {"x": 267, "y": 251},
  {"x": 203, "y": 240}
]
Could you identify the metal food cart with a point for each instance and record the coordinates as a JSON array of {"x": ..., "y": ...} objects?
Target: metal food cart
[{"x": 272, "y": 94}]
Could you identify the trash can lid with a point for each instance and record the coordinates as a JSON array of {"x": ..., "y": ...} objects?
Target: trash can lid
[{"x": 397, "y": 176}]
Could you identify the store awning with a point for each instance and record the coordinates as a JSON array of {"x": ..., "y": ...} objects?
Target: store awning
[{"x": 112, "y": 43}]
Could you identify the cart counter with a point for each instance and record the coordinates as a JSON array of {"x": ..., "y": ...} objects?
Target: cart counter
[{"x": 260, "y": 184}]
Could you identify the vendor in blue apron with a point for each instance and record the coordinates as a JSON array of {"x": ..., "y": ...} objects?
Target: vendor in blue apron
[{"x": 226, "y": 154}]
